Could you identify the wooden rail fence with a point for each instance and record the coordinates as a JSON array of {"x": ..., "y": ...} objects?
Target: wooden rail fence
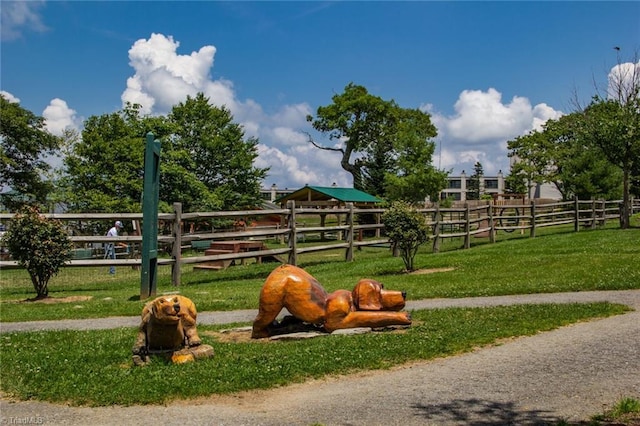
[{"x": 466, "y": 222}]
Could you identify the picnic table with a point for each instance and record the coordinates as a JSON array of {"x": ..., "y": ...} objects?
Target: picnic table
[{"x": 231, "y": 246}]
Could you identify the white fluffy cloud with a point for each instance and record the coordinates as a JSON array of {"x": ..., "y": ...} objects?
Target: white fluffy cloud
[
  {"x": 20, "y": 16},
  {"x": 624, "y": 80},
  {"x": 477, "y": 131},
  {"x": 480, "y": 128},
  {"x": 8, "y": 96},
  {"x": 301, "y": 166},
  {"x": 59, "y": 117},
  {"x": 163, "y": 77},
  {"x": 481, "y": 116}
]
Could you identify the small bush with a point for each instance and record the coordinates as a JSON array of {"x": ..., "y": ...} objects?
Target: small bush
[
  {"x": 407, "y": 229},
  {"x": 40, "y": 245}
]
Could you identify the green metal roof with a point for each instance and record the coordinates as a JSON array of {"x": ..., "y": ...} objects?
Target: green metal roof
[{"x": 323, "y": 193}]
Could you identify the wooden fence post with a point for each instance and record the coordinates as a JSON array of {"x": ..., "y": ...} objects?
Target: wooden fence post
[
  {"x": 436, "y": 229},
  {"x": 533, "y": 219},
  {"x": 621, "y": 214},
  {"x": 576, "y": 211},
  {"x": 594, "y": 214},
  {"x": 492, "y": 224},
  {"x": 293, "y": 237},
  {"x": 350, "y": 237},
  {"x": 176, "y": 252},
  {"x": 467, "y": 226},
  {"x": 603, "y": 203}
]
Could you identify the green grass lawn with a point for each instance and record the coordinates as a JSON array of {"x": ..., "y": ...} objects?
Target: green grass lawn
[
  {"x": 94, "y": 367},
  {"x": 587, "y": 260}
]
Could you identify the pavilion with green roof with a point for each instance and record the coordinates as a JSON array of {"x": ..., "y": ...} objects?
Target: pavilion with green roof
[{"x": 329, "y": 196}]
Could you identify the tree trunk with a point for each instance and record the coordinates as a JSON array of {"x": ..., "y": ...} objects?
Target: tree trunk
[{"x": 42, "y": 290}]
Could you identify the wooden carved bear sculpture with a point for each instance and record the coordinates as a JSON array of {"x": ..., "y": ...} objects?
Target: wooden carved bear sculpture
[
  {"x": 290, "y": 287},
  {"x": 168, "y": 324}
]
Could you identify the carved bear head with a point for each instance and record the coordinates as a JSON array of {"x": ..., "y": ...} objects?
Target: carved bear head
[{"x": 166, "y": 309}]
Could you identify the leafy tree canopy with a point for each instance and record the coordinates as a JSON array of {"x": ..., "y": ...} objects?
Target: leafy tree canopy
[
  {"x": 411, "y": 177},
  {"x": 104, "y": 168},
  {"x": 614, "y": 127},
  {"x": 23, "y": 143},
  {"x": 217, "y": 153},
  {"x": 387, "y": 149},
  {"x": 562, "y": 154},
  {"x": 205, "y": 161}
]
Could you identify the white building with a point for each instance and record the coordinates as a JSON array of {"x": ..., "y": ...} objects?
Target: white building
[
  {"x": 458, "y": 186},
  {"x": 273, "y": 193}
]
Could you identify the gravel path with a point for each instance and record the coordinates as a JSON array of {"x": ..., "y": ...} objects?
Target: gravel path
[{"x": 570, "y": 373}]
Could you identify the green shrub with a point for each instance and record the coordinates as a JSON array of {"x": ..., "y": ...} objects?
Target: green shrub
[
  {"x": 40, "y": 245},
  {"x": 407, "y": 230}
]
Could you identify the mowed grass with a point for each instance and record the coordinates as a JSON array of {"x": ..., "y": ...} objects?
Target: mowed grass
[
  {"x": 94, "y": 367},
  {"x": 556, "y": 262}
]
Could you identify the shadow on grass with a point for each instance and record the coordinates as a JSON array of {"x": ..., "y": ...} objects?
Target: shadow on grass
[{"x": 478, "y": 412}]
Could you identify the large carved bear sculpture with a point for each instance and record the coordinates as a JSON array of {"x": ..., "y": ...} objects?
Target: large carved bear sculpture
[{"x": 290, "y": 287}]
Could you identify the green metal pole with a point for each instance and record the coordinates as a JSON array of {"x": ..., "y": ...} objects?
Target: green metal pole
[{"x": 148, "y": 278}]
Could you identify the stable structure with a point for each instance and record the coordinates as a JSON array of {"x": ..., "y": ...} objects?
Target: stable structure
[{"x": 329, "y": 196}]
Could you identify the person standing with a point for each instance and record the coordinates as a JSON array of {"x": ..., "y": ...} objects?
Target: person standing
[{"x": 110, "y": 249}]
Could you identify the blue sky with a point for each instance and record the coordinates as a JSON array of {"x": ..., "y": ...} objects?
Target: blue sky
[{"x": 486, "y": 71}]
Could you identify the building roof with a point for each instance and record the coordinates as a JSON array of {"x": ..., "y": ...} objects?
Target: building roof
[{"x": 329, "y": 193}]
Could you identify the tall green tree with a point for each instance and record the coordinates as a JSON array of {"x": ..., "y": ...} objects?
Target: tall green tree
[
  {"x": 475, "y": 190},
  {"x": 615, "y": 128},
  {"x": 613, "y": 124},
  {"x": 376, "y": 137},
  {"x": 412, "y": 177},
  {"x": 364, "y": 123},
  {"x": 104, "y": 168},
  {"x": 561, "y": 154},
  {"x": 24, "y": 141},
  {"x": 214, "y": 149},
  {"x": 534, "y": 161},
  {"x": 205, "y": 162}
]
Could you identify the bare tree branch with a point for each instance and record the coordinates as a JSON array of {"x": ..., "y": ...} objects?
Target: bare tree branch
[{"x": 326, "y": 148}]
